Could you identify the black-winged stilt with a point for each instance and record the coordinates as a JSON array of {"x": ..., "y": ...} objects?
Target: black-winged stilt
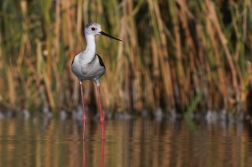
[{"x": 88, "y": 65}]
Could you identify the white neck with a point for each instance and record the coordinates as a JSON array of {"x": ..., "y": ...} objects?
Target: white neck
[
  {"x": 89, "y": 53},
  {"x": 90, "y": 40}
]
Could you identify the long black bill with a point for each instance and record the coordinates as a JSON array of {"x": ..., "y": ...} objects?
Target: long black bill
[{"x": 105, "y": 34}]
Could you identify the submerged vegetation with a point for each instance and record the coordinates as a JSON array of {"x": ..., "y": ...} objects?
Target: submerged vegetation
[{"x": 176, "y": 55}]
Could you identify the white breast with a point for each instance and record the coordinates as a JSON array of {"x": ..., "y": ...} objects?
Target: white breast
[{"x": 85, "y": 70}]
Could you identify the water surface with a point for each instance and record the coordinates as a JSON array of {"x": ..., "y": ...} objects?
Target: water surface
[{"x": 138, "y": 142}]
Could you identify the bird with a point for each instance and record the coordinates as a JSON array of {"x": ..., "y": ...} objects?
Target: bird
[{"x": 88, "y": 65}]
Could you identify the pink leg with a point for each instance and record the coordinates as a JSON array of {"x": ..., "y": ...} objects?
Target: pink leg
[
  {"x": 101, "y": 112},
  {"x": 83, "y": 106},
  {"x": 83, "y": 146},
  {"x": 84, "y": 130}
]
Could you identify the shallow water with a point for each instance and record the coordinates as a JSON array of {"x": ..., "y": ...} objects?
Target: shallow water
[{"x": 134, "y": 142}]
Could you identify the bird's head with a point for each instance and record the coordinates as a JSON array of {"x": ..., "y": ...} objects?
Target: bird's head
[{"x": 95, "y": 29}]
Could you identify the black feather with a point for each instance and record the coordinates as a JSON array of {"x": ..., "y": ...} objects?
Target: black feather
[
  {"x": 100, "y": 60},
  {"x": 73, "y": 60}
]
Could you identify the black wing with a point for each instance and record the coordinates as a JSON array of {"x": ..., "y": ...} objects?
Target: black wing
[{"x": 100, "y": 60}]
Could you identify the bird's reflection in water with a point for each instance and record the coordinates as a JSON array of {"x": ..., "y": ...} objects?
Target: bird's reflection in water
[
  {"x": 138, "y": 142},
  {"x": 83, "y": 145},
  {"x": 84, "y": 149},
  {"x": 102, "y": 154}
]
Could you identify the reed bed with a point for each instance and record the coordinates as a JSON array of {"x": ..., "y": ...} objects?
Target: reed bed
[{"x": 176, "y": 55}]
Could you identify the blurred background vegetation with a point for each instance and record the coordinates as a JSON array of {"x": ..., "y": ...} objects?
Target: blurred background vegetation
[{"x": 176, "y": 55}]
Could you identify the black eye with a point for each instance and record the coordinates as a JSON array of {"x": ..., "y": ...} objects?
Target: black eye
[{"x": 92, "y": 28}]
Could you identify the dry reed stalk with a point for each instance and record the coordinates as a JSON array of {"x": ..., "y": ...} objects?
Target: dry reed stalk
[
  {"x": 46, "y": 93},
  {"x": 48, "y": 89},
  {"x": 249, "y": 74},
  {"x": 134, "y": 58},
  {"x": 240, "y": 29},
  {"x": 130, "y": 77},
  {"x": 1, "y": 67},
  {"x": 200, "y": 33},
  {"x": 27, "y": 83},
  {"x": 56, "y": 52},
  {"x": 74, "y": 38},
  {"x": 68, "y": 35},
  {"x": 25, "y": 47},
  {"x": 24, "y": 51},
  {"x": 138, "y": 103},
  {"x": 85, "y": 10},
  {"x": 164, "y": 61},
  {"x": 155, "y": 74},
  {"x": 162, "y": 53},
  {"x": 191, "y": 47},
  {"x": 99, "y": 12},
  {"x": 70, "y": 19},
  {"x": 12, "y": 86},
  {"x": 149, "y": 102},
  {"x": 108, "y": 88},
  {"x": 128, "y": 62},
  {"x": 209, "y": 101},
  {"x": 120, "y": 75},
  {"x": 213, "y": 17},
  {"x": 183, "y": 88},
  {"x": 249, "y": 87},
  {"x": 203, "y": 66},
  {"x": 79, "y": 17},
  {"x": 220, "y": 72},
  {"x": 47, "y": 37},
  {"x": 39, "y": 58}
]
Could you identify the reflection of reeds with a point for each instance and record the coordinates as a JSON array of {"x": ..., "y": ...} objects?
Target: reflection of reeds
[
  {"x": 170, "y": 52},
  {"x": 136, "y": 142}
]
